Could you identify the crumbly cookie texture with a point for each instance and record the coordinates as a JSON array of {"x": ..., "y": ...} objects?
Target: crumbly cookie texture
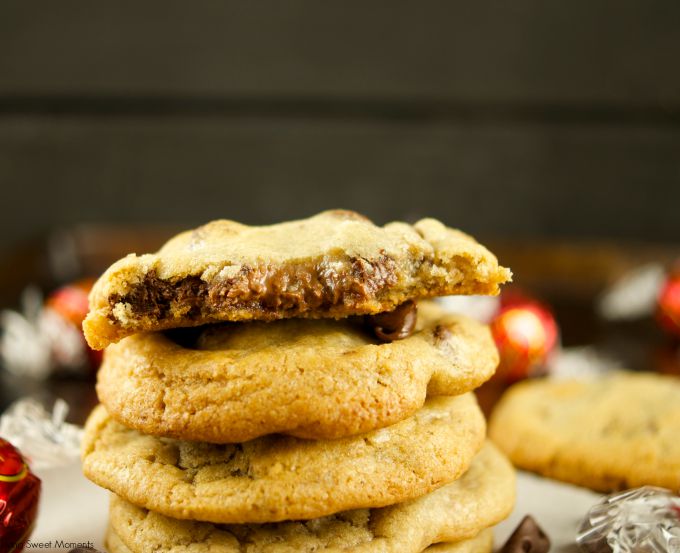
[
  {"x": 275, "y": 477},
  {"x": 455, "y": 512},
  {"x": 317, "y": 379},
  {"x": 609, "y": 433},
  {"x": 335, "y": 264}
]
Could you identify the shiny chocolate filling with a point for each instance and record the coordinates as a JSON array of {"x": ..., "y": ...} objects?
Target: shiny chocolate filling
[
  {"x": 292, "y": 289},
  {"x": 396, "y": 324}
]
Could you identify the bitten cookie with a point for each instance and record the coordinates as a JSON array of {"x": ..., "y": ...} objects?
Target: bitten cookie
[
  {"x": 610, "y": 433},
  {"x": 277, "y": 477},
  {"x": 311, "y": 379},
  {"x": 458, "y": 511},
  {"x": 335, "y": 264}
]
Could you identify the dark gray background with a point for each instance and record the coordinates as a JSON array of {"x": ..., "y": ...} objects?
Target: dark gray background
[{"x": 510, "y": 119}]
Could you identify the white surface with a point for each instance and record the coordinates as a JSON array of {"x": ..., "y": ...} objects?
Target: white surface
[
  {"x": 72, "y": 509},
  {"x": 558, "y": 508},
  {"x": 75, "y": 510}
]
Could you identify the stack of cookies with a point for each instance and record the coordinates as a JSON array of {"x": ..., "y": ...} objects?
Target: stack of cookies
[{"x": 278, "y": 388}]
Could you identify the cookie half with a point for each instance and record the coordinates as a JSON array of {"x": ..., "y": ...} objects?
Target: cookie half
[
  {"x": 317, "y": 379},
  {"x": 610, "y": 433},
  {"x": 335, "y": 264},
  {"x": 275, "y": 477},
  {"x": 462, "y": 510}
]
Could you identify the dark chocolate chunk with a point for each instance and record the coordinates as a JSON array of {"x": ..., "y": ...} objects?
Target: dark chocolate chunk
[
  {"x": 394, "y": 325},
  {"x": 527, "y": 538}
]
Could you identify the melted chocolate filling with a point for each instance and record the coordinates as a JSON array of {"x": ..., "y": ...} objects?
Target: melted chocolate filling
[
  {"x": 295, "y": 289},
  {"x": 395, "y": 325}
]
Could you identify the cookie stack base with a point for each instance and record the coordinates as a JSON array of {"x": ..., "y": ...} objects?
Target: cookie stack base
[
  {"x": 277, "y": 478},
  {"x": 481, "y": 543},
  {"x": 450, "y": 515}
]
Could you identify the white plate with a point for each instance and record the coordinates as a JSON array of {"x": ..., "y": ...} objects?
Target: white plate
[
  {"x": 72, "y": 510},
  {"x": 558, "y": 508},
  {"x": 75, "y": 510}
]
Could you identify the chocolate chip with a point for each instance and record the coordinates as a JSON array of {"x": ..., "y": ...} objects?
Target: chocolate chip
[
  {"x": 84, "y": 550},
  {"x": 394, "y": 325},
  {"x": 441, "y": 333},
  {"x": 527, "y": 538}
]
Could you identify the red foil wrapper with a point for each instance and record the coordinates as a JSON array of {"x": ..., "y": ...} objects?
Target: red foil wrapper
[
  {"x": 71, "y": 303},
  {"x": 526, "y": 334},
  {"x": 668, "y": 304},
  {"x": 19, "y": 495}
]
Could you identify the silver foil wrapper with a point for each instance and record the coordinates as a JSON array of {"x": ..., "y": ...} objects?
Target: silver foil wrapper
[
  {"x": 641, "y": 520},
  {"x": 45, "y": 438}
]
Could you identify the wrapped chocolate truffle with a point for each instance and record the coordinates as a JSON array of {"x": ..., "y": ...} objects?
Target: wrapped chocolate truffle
[
  {"x": 19, "y": 495},
  {"x": 526, "y": 335},
  {"x": 641, "y": 520}
]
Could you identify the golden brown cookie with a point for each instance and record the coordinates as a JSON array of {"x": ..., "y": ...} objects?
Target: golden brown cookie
[
  {"x": 481, "y": 543},
  {"x": 334, "y": 264},
  {"x": 277, "y": 477},
  {"x": 610, "y": 433},
  {"x": 458, "y": 511},
  {"x": 307, "y": 378}
]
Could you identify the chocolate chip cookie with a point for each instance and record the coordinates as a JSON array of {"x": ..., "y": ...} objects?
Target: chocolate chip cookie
[
  {"x": 462, "y": 510},
  {"x": 316, "y": 379},
  {"x": 335, "y": 264},
  {"x": 276, "y": 477},
  {"x": 609, "y": 433}
]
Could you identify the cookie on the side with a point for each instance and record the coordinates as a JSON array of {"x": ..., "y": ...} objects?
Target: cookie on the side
[
  {"x": 335, "y": 264},
  {"x": 609, "y": 433},
  {"x": 318, "y": 379},
  {"x": 278, "y": 477},
  {"x": 458, "y": 511}
]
